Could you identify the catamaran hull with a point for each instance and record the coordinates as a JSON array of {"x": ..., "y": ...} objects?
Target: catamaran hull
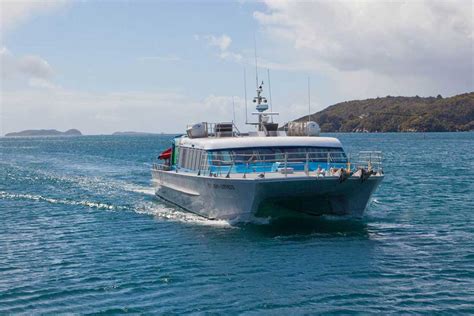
[{"x": 244, "y": 199}]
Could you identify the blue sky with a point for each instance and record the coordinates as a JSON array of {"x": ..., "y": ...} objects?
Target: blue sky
[{"x": 105, "y": 66}]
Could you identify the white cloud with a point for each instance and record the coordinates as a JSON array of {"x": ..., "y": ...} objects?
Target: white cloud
[
  {"x": 222, "y": 43},
  {"x": 230, "y": 56},
  {"x": 7, "y": 64},
  {"x": 30, "y": 69},
  {"x": 109, "y": 112},
  {"x": 41, "y": 83},
  {"x": 428, "y": 43},
  {"x": 14, "y": 12},
  {"x": 35, "y": 66}
]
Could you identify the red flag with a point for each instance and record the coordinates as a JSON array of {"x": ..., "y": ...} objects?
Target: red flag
[{"x": 166, "y": 154}]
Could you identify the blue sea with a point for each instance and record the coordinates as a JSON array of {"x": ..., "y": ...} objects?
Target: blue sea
[{"x": 81, "y": 232}]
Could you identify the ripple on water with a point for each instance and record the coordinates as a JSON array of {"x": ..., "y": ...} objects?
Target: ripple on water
[{"x": 83, "y": 233}]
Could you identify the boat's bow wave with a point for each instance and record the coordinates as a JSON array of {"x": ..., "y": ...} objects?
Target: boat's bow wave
[{"x": 163, "y": 212}]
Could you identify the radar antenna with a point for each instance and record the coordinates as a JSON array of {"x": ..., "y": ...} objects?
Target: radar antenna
[{"x": 260, "y": 100}]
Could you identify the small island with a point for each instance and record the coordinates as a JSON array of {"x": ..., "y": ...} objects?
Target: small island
[{"x": 44, "y": 132}]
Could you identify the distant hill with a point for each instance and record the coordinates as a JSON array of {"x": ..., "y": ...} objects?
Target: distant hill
[
  {"x": 44, "y": 132},
  {"x": 399, "y": 114}
]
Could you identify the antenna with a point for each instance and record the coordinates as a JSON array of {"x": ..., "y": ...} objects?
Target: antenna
[
  {"x": 270, "y": 92},
  {"x": 256, "y": 67},
  {"x": 233, "y": 109},
  {"x": 245, "y": 95},
  {"x": 309, "y": 100}
]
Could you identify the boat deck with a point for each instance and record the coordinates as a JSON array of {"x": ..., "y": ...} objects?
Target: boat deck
[{"x": 336, "y": 175}]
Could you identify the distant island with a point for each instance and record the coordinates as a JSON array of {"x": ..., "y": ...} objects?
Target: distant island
[
  {"x": 44, "y": 132},
  {"x": 399, "y": 114}
]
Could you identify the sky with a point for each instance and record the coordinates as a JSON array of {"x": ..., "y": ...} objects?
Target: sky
[{"x": 156, "y": 66}]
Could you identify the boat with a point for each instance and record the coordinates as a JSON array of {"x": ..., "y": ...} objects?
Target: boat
[{"x": 217, "y": 172}]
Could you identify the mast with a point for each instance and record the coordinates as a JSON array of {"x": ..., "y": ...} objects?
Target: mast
[
  {"x": 309, "y": 100},
  {"x": 260, "y": 100},
  {"x": 261, "y": 106},
  {"x": 233, "y": 110},
  {"x": 270, "y": 92},
  {"x": 245, "y": 96},
  {"x": 256, "y": 65}
]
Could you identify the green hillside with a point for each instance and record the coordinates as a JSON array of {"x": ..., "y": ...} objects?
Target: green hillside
[{"x": 399, "y": 114}]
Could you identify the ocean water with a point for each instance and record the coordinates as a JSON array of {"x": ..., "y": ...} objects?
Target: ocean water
[{"x": 81, "y": 232}]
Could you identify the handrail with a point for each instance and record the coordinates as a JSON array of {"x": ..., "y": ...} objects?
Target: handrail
[
  {"x": 161, "y": 166},
  {"x": 285, "y": 162}
]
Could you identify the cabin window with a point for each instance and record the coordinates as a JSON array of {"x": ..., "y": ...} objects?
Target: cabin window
[
  {"x": 198, "y": 159},
  {"x": 182, "y": 157},
  {"x": 189, "y": 164},
  {"x": 190, "y": 158},
  {"x": 221, "y": 157},
  {"x": 276, "y": 154},
  {"x": 194, "y": 162}
]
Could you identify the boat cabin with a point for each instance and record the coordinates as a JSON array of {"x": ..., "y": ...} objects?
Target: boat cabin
[
  {"x": 216, "y": 149},
  {"x": 249, "y": 154}
]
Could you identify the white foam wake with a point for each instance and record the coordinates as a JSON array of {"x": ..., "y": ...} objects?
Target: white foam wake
[
  {"x": 33, "y": 197},
  {"x": 164, "y": 212},
  {"x": 159, "y": 211},
  {"x": 139, "y": 189},
  {"x": 375, "y": 201},
  {"x": 94, "y": 183}
]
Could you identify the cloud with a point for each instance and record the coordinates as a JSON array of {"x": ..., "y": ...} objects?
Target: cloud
[
  {"x": 427, "y": 42},
  {"x": 94, "y": 113},
  {"x": 30, "y": 69},
  {"x": 222, "y": 43},
  {"x": 41, "y": 83},
  {"x": 7, "y": 64},
  {"x": 35, "y": 66},
  {"x": 13, "y": 12},
  {"x": 230, "y": 56}
]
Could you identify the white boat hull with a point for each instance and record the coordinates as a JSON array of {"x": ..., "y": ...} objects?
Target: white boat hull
[{"x": 242, "y": 199}]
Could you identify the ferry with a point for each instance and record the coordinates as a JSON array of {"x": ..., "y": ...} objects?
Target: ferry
[{"x": 216, "y": 171}]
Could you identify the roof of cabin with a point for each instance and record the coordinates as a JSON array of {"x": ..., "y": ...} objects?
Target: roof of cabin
[{"x": 256, "y": 141}]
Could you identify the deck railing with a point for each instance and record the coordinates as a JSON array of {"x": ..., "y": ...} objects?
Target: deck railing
[
  {"x": 161, "y": 166},
  {"x": 314, "y": 162},
  {"x": 369, "y": 160}
]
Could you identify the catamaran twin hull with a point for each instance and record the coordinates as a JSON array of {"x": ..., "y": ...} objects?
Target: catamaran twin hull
[
  {"x": 218, "y": 172},
  {"x": 241, "y": 199}
]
